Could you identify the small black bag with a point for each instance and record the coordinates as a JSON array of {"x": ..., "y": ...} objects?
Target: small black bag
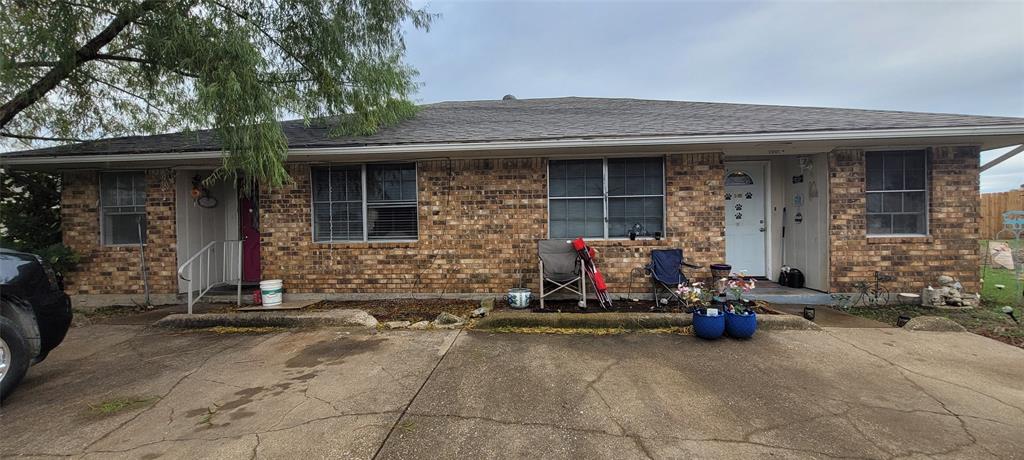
[
  {"x": 795, "y": 279},
  {"x": 784, "y": 277}
]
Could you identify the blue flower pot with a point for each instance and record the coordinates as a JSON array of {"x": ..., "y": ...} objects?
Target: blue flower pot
[
  {"x": 741, "y": 326},
  {"x": 706, "y": 326}
]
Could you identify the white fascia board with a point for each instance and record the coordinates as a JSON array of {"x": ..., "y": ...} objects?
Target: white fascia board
[{"x": 799, "y": 136}]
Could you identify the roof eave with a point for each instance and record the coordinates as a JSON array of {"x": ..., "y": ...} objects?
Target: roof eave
[{"x": 987, "y": 136}]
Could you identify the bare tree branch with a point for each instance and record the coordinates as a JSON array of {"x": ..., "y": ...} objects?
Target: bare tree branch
[
  {"x": 245, "y": 17},
  {"x": 67, "y": 65},
  {"x": 40, "y": 138}
]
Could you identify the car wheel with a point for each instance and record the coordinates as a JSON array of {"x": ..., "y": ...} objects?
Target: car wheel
[{"x": 13, "y": 357}]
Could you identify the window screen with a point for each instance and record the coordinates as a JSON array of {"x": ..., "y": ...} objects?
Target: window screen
[
  {"x": 580, "y": 192},
  {"x": 897, "y": 200},
  {"x": 389, "y": 205},
  {"x": 391, "y": 201},
  {"x": 636, "y": 197},
  {"x": 338, "y": 203},
  {"x": 123, "y": 207}
]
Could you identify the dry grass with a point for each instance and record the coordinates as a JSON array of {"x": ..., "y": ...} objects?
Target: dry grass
[
  {"x": 590, "y": 331},
  {"x": 411, "y": 310},
  {"x": 116, "y": 405},
  {"x": 243, "y": 330}
]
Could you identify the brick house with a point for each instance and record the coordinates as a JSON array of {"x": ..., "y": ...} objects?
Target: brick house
[{"x": 453, "y": 201}]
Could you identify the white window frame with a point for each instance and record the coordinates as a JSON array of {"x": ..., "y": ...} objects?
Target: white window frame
[
  {"x": 604, "y": 194},
  {"x": 363, "y": 198},
  {"x": 927, "y": 195},
  {"x": 103, "y": 208}
]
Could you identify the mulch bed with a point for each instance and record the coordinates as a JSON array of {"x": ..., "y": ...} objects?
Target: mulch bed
[
  {"x": 404, "y": 309},
  {"x": 618, "y": 306}
]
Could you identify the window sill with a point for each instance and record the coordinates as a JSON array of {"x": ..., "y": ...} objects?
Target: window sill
[
  {"x": 891, "y": 239},
  {"x": 369, "y": 244},
  {"x": 625, "y": 241}
]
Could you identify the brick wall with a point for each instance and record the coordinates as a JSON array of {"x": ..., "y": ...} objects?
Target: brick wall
[
  {"x": 115, "y": 269},
  {"x": 951, "y": 247},
  {"x": 479, "y": 221}
]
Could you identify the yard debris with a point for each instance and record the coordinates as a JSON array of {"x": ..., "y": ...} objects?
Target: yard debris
[
  {"x": 420, "y": 325},
  {"x": 478, "y": 313},
  {"x": 397, "y": 324}
]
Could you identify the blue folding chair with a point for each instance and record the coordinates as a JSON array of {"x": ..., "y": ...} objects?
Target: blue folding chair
[{"x": 666, "y": 272}]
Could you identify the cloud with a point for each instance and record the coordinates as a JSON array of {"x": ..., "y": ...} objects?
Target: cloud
[{"x": 920, "y": 56}]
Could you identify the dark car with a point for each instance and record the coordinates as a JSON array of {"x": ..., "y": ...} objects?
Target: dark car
[{"x": 34, "y": 314}]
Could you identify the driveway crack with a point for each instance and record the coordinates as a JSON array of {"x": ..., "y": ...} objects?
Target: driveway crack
[{"x": 420, "y": 389}]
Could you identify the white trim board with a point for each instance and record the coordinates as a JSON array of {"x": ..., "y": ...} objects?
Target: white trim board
[{"x": 975, "y": 132}]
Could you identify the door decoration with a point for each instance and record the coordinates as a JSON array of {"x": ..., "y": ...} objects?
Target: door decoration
[
  {"x": 738, "y": 178},
  {"x": 728, "y": 196},
  {"x": 739, "y": 206},
  {"x": 739, "y": 215},
  {"x": 201, "y": 194}
]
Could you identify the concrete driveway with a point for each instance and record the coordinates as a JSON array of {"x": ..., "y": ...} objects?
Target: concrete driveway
[{"x": 335, "y": 393}]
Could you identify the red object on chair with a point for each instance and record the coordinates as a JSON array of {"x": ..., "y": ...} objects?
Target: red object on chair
[{"x": 587, "y": 255}]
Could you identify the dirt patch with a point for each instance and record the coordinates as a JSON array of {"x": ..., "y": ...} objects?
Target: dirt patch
[
  {"x": 412, "y": 310},
  {"x": 986, "y": 320}
]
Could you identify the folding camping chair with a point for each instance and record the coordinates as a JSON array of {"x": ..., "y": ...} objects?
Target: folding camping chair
[
  {"x": 666, "y": 272},
  {"x": 560, "y": 265}
]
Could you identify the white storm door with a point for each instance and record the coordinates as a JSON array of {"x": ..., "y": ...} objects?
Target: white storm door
[{"x": 745, "y": 226}]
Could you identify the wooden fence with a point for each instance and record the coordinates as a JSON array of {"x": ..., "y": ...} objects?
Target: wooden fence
[{"x": 993, "y": 205}]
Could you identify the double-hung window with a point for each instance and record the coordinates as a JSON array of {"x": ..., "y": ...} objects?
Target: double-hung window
[
  {"x": 606, "y": 198},
  {"x": 897, "y": 198},
  {"x": 364, "y": 202},
  {"x": 123, "y": 207}
]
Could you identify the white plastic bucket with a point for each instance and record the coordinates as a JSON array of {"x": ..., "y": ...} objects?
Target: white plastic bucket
[{"x": 270, "y": 291}]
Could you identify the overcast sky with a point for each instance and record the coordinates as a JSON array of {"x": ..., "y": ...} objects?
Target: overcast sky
[{"x": 923, "y": 56}]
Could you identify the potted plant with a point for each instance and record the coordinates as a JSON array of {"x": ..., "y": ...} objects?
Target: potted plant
[
  {"x": 708, "y": 323},
  {"x": 740, "y": 318},
  {"x": 695, "y": 296}
]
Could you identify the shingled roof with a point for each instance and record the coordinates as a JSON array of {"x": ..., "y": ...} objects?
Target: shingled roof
[{"x": 556, "y": 119}]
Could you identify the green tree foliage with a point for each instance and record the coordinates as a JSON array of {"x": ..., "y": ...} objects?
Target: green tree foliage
[
  {"x": 29, "y": 213},
  {"x": 84, "y": 69},
  {"x": 30, "y": 216}
]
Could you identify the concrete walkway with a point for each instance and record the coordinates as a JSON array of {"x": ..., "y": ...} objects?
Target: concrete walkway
[{"x": 356, "y": 393}]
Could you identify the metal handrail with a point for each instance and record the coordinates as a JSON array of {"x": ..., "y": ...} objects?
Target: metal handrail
[{"x": 202, "y": 260}]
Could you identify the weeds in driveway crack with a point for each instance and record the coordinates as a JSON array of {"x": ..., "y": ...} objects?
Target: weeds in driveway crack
[{"x": 118, "y": 405}]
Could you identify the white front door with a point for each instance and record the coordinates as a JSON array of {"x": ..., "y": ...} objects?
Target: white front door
[{"x": 745, "y": 226}]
